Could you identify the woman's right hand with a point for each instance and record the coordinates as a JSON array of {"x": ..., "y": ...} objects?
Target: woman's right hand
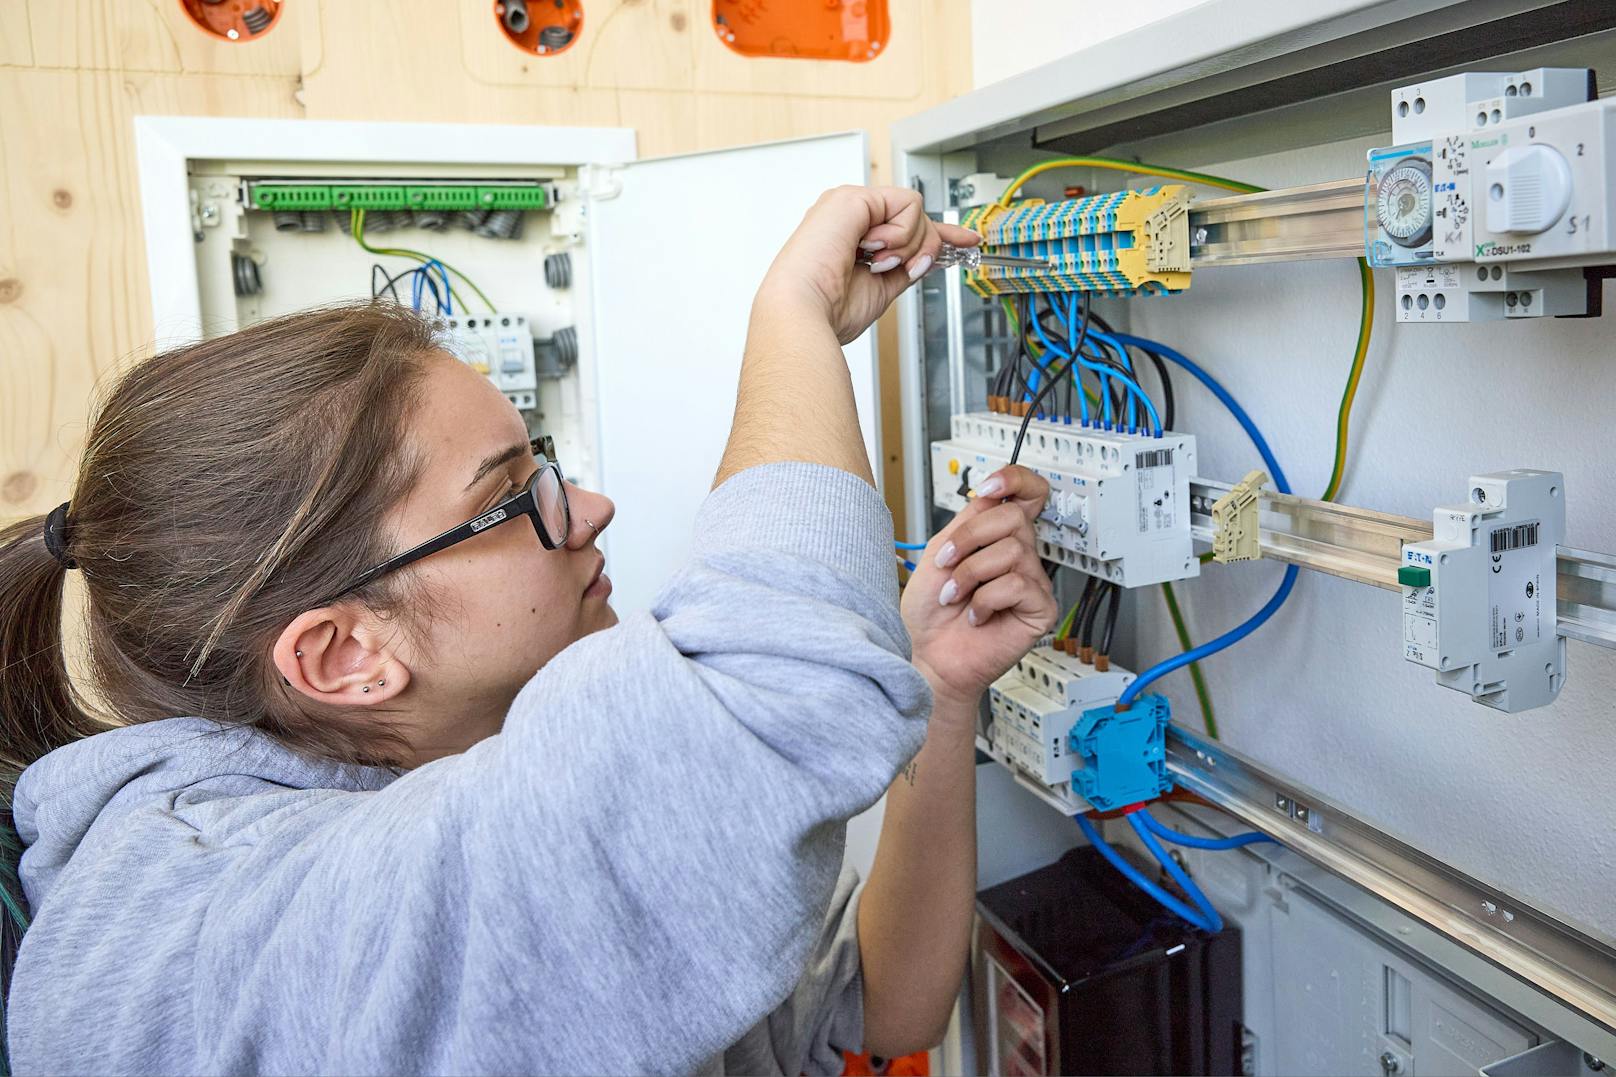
[{"x": 819, "y": 264}]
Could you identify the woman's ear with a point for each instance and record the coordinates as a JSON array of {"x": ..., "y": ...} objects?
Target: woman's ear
[{"x": 333, "y": 655}]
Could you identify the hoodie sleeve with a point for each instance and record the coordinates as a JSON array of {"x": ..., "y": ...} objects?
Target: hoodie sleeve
[
  {"x": 637, "y": 869},
  {"x": 824, "y": 1014}
]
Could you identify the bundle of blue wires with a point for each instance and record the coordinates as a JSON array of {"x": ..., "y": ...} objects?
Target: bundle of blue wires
[
  {"x": 1199, "y": 912},
  {"x": 421, "y": 280},
  {"x": 1083, "y": 361}
]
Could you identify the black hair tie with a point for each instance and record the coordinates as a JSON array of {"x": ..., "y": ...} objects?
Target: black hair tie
[{"x": 57, "y": 535}]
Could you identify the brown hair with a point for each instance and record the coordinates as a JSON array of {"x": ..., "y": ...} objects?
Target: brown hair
[{"x": 225, "y": 488}]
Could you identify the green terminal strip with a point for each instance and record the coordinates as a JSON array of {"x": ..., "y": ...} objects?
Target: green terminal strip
[{"x": 436, "y": 196}]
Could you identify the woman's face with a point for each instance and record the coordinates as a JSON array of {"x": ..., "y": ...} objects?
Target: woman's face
[{"x": 498, "y": 606}]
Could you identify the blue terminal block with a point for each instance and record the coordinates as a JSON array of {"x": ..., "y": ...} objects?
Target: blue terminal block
[{"x": 1122, "y": 754}]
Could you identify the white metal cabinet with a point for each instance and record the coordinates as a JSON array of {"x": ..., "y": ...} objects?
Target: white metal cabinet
[{"x": 667, "y": 254}]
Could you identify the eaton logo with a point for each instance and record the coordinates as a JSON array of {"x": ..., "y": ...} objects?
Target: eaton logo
[
  {"x": 485, "y": 522},
  {"x": 1415, "y": 557}
]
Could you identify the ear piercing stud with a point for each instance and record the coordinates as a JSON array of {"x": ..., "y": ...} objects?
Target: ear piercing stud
[
  {"x": 298, "y": 653},
  {"x": 366, "y": 688},
  {"x": 381, "y": 684}
]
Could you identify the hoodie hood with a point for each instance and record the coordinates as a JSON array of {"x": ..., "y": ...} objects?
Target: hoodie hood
[{"x": 61, "y": 796}]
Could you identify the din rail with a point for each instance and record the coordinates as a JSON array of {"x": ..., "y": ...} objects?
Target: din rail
[
  {"x": 1366, "y": 546},
  {"x": 1324, "y": 220},
  {"x": 1557, "y": 958}
]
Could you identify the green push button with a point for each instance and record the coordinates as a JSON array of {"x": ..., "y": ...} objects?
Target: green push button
[{"x": 1414, "y": 576}]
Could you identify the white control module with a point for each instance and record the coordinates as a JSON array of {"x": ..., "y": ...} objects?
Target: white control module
[
  {"x": 1484, "y": 155},
  {"x": 1119, "y": 504},
  {"x": 501, "y": 347},
  {"x": 1479, "y": 597}
]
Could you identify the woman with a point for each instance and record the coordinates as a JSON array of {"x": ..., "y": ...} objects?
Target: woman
[{"x": 397, "y": 793}]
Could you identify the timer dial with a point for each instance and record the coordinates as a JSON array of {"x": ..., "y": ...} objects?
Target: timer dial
[{"x": 1403, "y": 203}]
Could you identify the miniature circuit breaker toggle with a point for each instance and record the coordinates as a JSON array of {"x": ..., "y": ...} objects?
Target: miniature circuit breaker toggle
[
  {"x": 1119, "y": 503},
  {"x": 1479, "y": 598}
]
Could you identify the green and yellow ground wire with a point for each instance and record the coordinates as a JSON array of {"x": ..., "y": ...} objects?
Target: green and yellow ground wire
[
  {"x": 1348, "y": 396},
  {"x": 358, "y": 228}
]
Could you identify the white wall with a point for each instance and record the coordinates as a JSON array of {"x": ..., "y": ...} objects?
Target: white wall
[
  {"x": 1011, "y": 36},
  {"x": 1322, "y": 693}
]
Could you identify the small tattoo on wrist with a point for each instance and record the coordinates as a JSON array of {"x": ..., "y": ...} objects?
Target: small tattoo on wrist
[{"x": 909, "y": 771}]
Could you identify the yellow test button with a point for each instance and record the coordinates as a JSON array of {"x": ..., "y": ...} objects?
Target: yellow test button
[{"x": 953, "y": 467}]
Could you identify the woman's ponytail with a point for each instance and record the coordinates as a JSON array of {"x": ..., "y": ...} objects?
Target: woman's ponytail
[{"x": 38, "y": 710}]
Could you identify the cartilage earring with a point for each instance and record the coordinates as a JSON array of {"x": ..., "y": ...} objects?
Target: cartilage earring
[
  {"x": 381, "y": 684},
  {"x": 298, "y": 653},
  {"x": 366, "y": 688}
]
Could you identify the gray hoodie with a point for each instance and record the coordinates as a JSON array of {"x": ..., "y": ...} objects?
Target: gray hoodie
[{"x": 628, "y": 878}]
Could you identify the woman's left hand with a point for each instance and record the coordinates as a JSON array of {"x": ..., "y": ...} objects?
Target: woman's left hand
[{"x": 979, "y": 598}]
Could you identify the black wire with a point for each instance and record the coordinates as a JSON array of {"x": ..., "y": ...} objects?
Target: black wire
[
  {"x": 1110, "y": 620},
  {"x": 1167, "y": 387},
  {"x": 388, "y": 283},
  {"x": 1083, "y": 603},
  {"x": 1054, "y": 376},
  {"x": 1086, "y": 637}
]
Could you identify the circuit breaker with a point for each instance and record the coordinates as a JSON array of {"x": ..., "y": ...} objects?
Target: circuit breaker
[
  {"x": 1119, "y": 503},
  {"x": 1479, "y": 598},
  {"x": 501, "y": 347}
]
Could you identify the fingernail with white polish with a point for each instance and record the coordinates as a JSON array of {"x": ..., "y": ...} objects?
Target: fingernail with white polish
[
  {"x": 872, "y": 244},
  {"x": 918, "y": 270},
  {"x": 970, "y": 615},
  {"x": 945, "y": 555},
  {"x": 885, "y": 264},
  {"x": 992, "y": 488},
  {"x": 949, "y": 593}
]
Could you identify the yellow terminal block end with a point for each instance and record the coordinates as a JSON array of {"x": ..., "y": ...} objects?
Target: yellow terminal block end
[
  {"x": 953, "y": 467},
  {"x": 1235, "y": 534}
]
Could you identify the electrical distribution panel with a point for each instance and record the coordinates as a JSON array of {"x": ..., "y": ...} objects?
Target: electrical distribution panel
[
  {"x": 1119, "y": 504},
  {"x": 1055, "y": 725},
  {"x": 1496, "y": 186},
  {"x": 1479, "y": 598}
]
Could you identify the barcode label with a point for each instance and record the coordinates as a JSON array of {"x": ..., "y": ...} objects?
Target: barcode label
[
  {"x": 1515, "y": 538},
  {"x": 1153, "y": 458}
]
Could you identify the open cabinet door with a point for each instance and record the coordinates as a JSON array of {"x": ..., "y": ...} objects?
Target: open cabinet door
[{"x": 677, "y": 247}]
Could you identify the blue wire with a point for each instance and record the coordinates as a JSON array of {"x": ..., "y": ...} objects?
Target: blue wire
[
  {"x": 1127, "y": 382},
  {"x": 1209, "y": 916},
  {"x": 415, "y": 288},
  {"x": 910, "y": 545},
  {"x": 1195, "y": 654},
  {"x": 1178, "y": 837},
  {"x": 1127, "y": 364},
  {"x": 1049, "y": 349},
  {"x": 446, "y": 302},
  {"x": 1275, "y": 472},
  {"x": 910, "y": 565},
  {"x": 1077, "y": 371},
  {"x": 1132, "y": 874},
  {"x": 1281, "y": 483}
]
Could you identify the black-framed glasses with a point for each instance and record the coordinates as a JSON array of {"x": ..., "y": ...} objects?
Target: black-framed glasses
[{"x": 544, "y": 501}]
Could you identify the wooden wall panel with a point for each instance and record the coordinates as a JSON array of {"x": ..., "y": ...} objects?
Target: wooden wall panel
[{"x": 74, "y": 301}]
